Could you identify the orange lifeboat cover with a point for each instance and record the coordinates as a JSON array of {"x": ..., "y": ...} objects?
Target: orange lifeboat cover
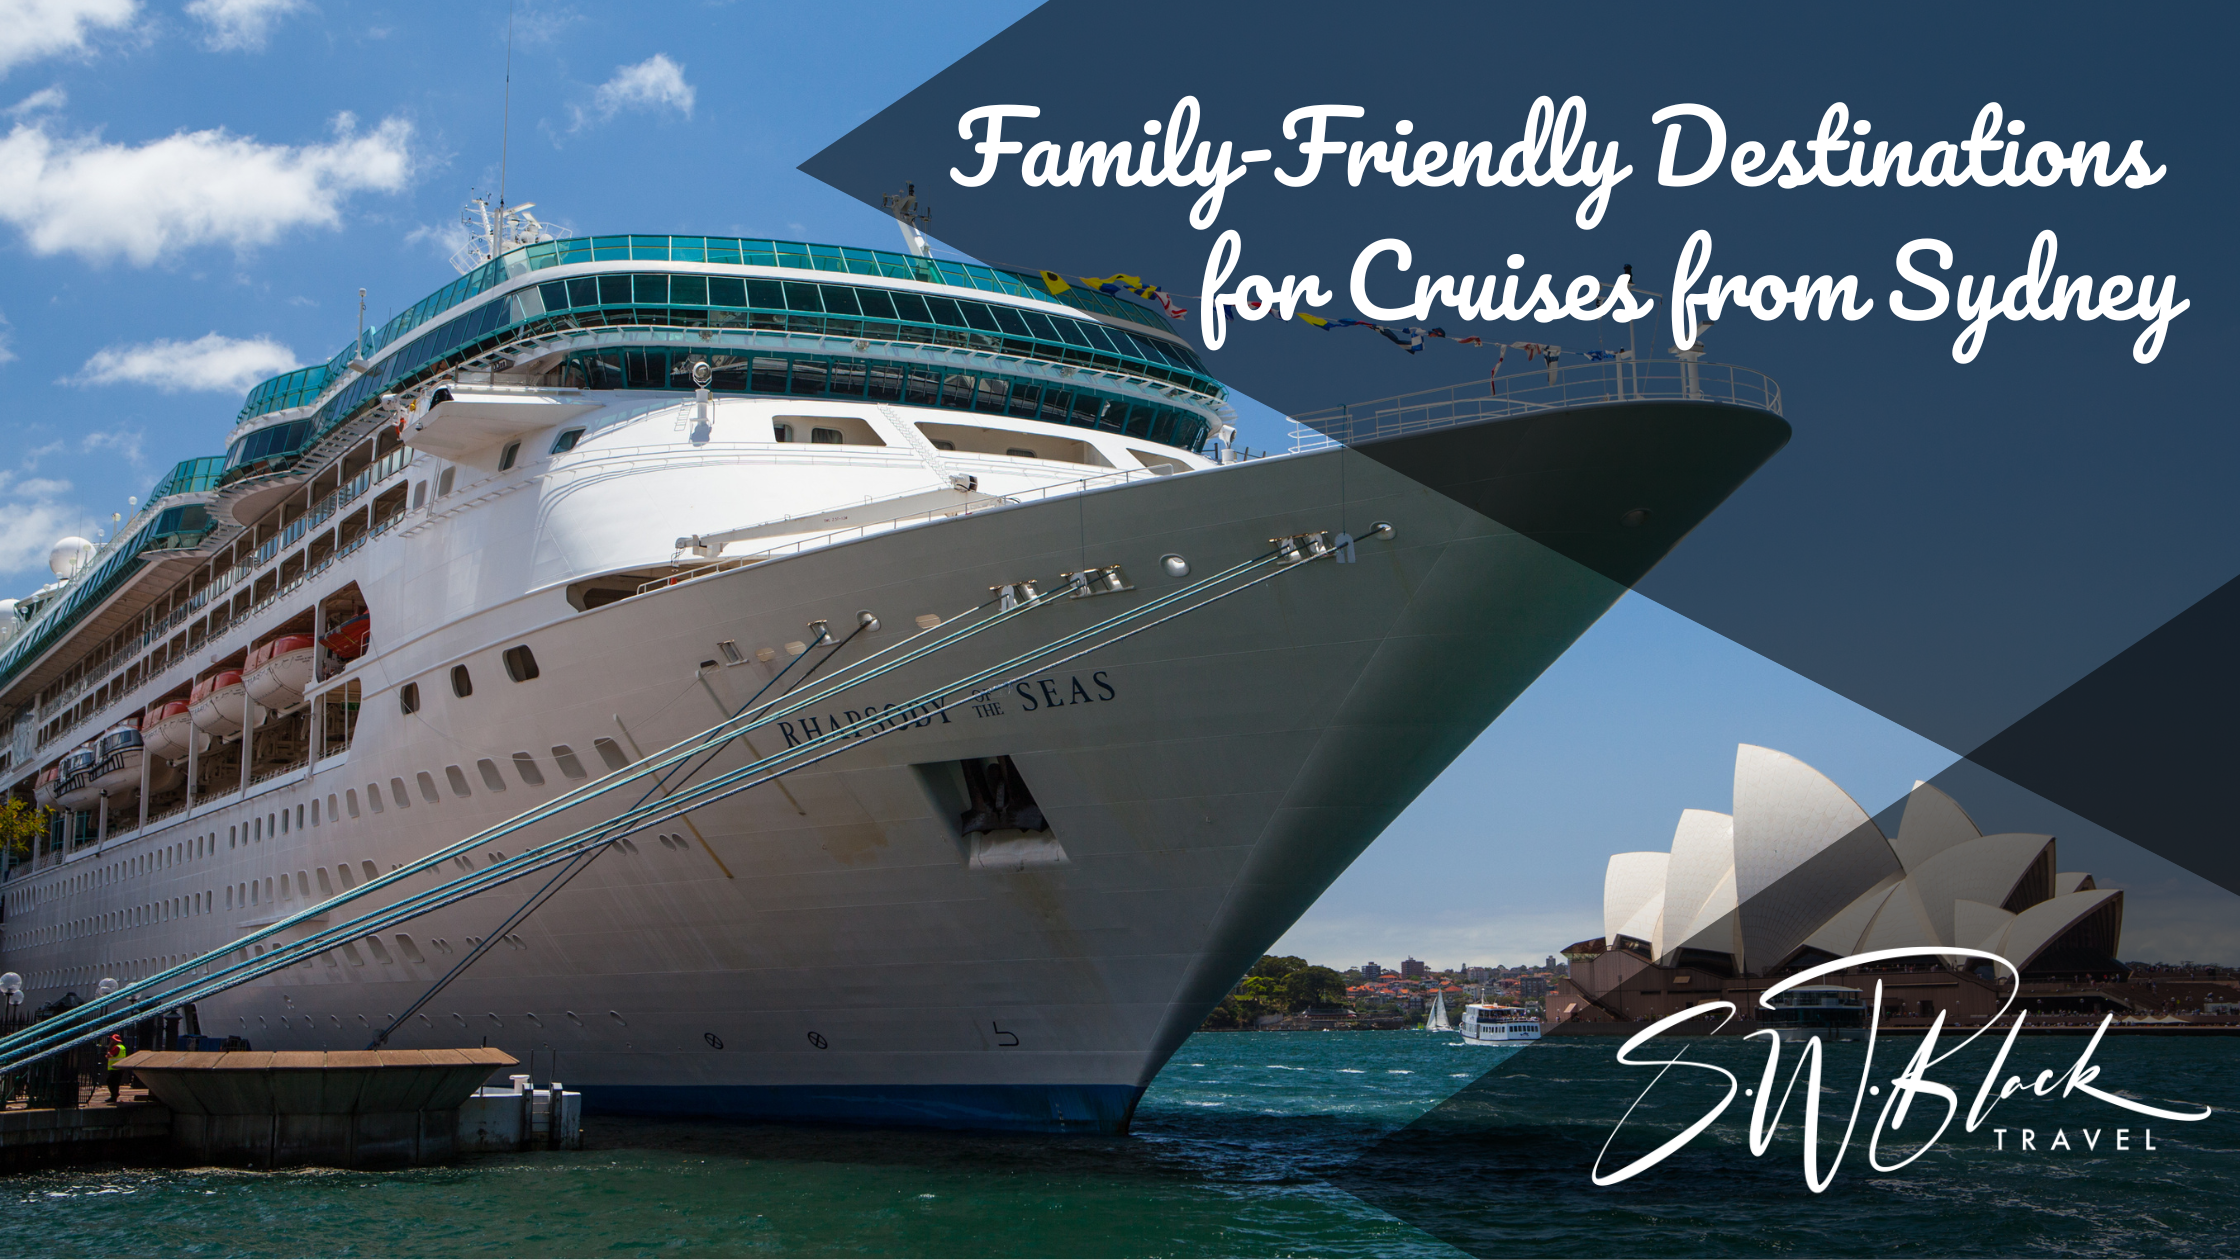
[
  {"x": 285, "y": 644},
  {"x": 348, "y": 640}
]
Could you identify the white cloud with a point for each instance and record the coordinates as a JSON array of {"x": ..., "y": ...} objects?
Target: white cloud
[
  {"x": 31, "y": 518},
  {"x": 44, "y": 98},
  {"x": 543, "y": 23},
  {"x": 105, "y": 201},
  {"x": 654, "y": 83},
  {"x": 123, "y": 442},
  {"x": 212, "y": 362},
  {"x": 31, "y": 29},
  {"x": 445, "y": 238},
  {"x": 241, "y": 25}
]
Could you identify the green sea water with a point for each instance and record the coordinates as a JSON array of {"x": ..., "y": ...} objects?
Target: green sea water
[{"x": 1248, "y": 1144}]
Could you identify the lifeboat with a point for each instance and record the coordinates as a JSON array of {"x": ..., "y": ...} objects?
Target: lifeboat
[
  {"x": 348, "y": 640},
  {"x": 50, "y": 783},
  {"x": 169, "y": 731},
  {"x": 278, "y": 672},
  {"x": 120, "y": 749},
  {"x": 219, "y": 703},
  {"x": 77, "y": 789}
]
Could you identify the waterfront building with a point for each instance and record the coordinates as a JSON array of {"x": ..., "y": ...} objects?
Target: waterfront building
[{"x": 1800, "y": 875}]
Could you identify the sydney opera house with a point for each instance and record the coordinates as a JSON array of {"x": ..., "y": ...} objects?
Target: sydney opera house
[{"x": 1800, "y": 875}]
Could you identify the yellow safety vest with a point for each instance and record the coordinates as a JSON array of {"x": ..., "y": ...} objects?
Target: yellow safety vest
[{"x": 116, "y": 1053}]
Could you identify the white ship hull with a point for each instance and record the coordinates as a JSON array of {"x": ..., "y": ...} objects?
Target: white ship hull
[
  {"x": 834, "y": 945},
  {"x": 832, "y": 950}
]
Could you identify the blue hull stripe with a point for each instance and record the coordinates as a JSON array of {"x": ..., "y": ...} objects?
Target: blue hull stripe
[{"x": 1028, "y": 1108}]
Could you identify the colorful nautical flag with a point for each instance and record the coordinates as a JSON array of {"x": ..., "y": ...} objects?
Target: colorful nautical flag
[{"x": 1054, "y": 282}]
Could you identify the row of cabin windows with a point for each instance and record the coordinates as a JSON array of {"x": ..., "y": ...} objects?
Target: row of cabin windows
[
  {"x": 281, "y": 822},
  {"x": 567, "y": 442},
  {"x": 524, "y": 764},
  {"x": 521, "y": 666}
]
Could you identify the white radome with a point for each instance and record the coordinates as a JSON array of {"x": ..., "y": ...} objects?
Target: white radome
[{"x": 69, "y": 555}]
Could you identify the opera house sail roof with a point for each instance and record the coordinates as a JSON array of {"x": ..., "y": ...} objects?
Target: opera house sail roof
[{"x": 1800, "y": 874}]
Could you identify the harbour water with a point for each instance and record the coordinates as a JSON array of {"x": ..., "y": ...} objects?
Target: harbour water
[{"x": 1248, "y": 1144}]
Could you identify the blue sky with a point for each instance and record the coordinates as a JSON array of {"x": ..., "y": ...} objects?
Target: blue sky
[{"x": 192, "y": 194}]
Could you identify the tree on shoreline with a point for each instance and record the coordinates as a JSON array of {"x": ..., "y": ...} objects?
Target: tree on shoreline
[{"x": 1277, "y": 985}]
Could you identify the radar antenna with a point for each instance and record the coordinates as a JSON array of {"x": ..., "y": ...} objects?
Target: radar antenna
[
  {"x": 492, "y": 230},
  {"x": 908, "y": 214}
]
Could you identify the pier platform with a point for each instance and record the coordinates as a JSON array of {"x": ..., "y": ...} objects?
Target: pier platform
[{"x": 277, "y": 1109}]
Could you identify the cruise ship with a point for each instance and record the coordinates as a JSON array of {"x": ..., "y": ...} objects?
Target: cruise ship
[{"x": 598, "y": 494}]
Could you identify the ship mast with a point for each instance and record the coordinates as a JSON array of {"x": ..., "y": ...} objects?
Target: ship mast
[{"x": 908, "y": 214}]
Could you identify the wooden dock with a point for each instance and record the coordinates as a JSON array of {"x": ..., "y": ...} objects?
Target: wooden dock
[{"x": 276, "y": 1109}]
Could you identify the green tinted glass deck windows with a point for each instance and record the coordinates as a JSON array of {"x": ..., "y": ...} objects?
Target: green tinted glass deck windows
[
  {"x": 609, "y": 301},
  {"x": 840, "y": 376},
  {"x": 303, "y": 386}
]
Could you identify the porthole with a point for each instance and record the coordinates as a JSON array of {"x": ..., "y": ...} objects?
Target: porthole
[
  {"x": 526, "y": 766},
  {"x": 521, "y": 663},
  {"x": 445, "y": 480},
  {"x": 458, "y": 780},
  {"x": 408, "y": 698},
  {"x": 490, "y": 777},
  {"x": 610, "y": 752},
  {"x": 462, "y": 683},
  {"x": 419, "y": 495},
  {"x": 428, "y": 787},
  {"x": 566, "y": 758},
  {"x": 510, "y": 454},
  {"x": 566, "y": 441}
]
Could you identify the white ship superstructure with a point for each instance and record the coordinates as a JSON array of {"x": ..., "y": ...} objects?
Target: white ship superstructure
[{"x": 597, "y": 494}]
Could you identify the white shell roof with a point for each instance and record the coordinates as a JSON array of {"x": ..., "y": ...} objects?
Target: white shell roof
[
  {"x": 1800, "y": 863},
  {"x": 1985, "y": 870},
  {"x": 2038, "y": 926},
  {"x": 1803, "y": 851},
  {"x": 1632, "y": 885},
  {"x": 1702, "y": 860},
  {"x": 1841, "y": 935},
  {"x": 1979, "y": 926},
  {"x": 1932, "y": 823}
]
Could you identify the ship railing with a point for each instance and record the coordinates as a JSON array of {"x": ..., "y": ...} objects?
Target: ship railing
[
  {"x": 1118, "y": 477},
  {"x": 273, "y": 772},
  {"x": 266, "y": 552},
  {"x": 1529, "y": 390}
]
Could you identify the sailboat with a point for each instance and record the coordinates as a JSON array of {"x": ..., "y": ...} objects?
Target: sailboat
[{"x": 1436, "y": 1021}]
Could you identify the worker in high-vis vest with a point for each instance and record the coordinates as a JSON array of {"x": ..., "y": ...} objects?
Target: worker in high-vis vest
[{"x": 117, "y": 1053}]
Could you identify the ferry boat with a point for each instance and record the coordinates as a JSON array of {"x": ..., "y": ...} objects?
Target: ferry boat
[
  {"x": 1485, "y": 1025},
  {"x": 1834, "y": 1012},
  {"x": 592, "y": 496}
]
